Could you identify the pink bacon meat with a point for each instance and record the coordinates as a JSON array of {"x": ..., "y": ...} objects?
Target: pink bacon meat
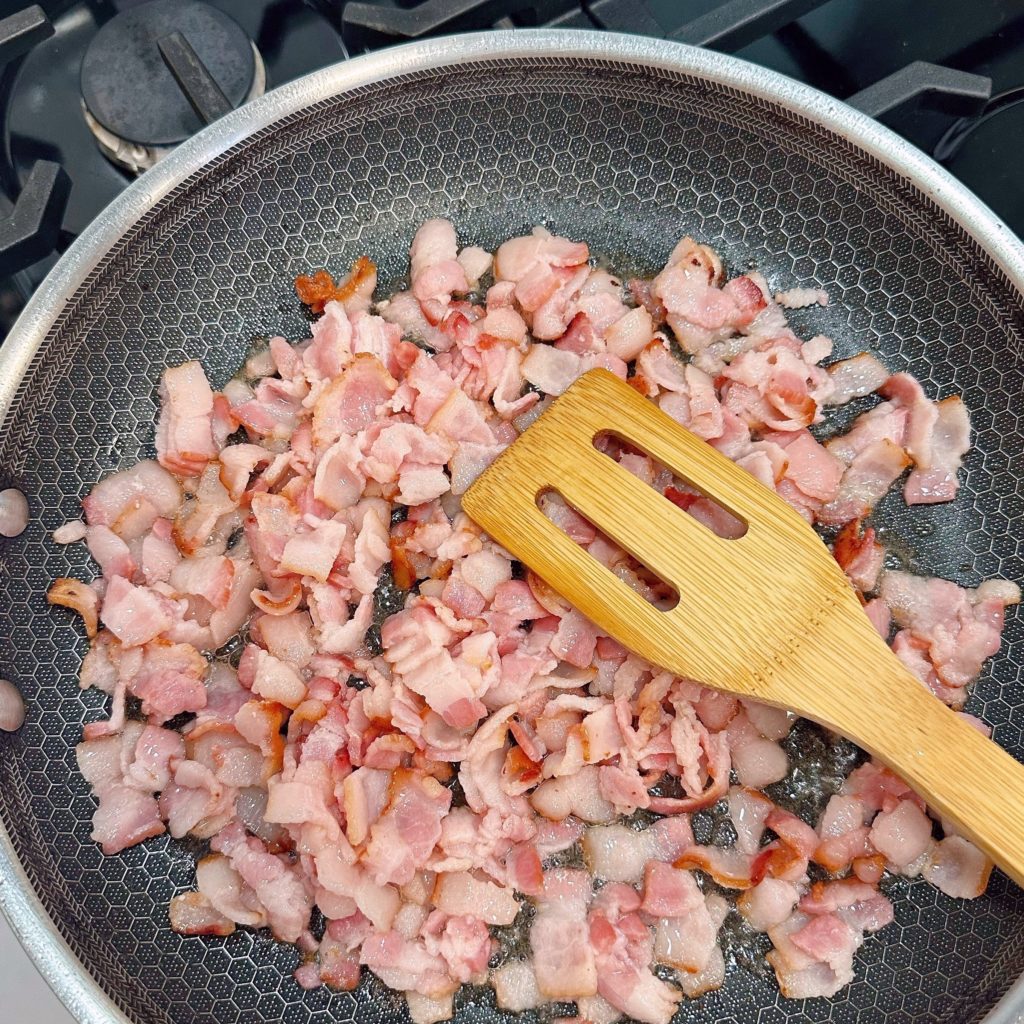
[{"x": 321, "y": 768}]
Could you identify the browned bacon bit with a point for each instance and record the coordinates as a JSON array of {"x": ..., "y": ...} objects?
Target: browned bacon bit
[
  {"x": 318, "y": 289},
  {"x": 79, "y": 597},
  {"x": 403, "y": 572}
]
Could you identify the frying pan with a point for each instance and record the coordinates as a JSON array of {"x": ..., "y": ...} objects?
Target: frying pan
[{"x": 626, "y": 143}]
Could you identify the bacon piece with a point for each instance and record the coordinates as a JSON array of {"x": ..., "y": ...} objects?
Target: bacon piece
[
  {"x": 902, "y": 834},
  {"x": 617, "y": 853},
  {"x": 407, "y": 453},
  {"x": 278, "y": 886},
  {"x": 124, "y": 817},
  {"x": 184, "y": 432},
  {"x": 405, "y": 965},
  {"x": 355, "y": 291},
  {"x": 958, "y": 868},
  {"x": 130, "y": 501},
  {"x": 628, "y": 336},
  {"x": 435, "y": 271},
  {"x": 461, "y": 893},
  {"x": 749, "y": 812},
  {"x": 564, "y": 960},
  {"x": 69, "y": 533},
  {"x": 867, "y": 478},
  {"x": 579, "y": 795},
  {"x": 515, "y": 986},
  {"x": 622, "y": 954},
  {"x": 277, "y": 680},
  {"x": 314, "y": 552},
  {"x": 768, "y": 903},
  {"x": 79, "y": 597},
  {"x": 404, "y": 836},
  {"x": 859, "y": 554},
  {"x": 956, "y": 628},
  {"x": 517, "y": 257},
  {"x": 922, "y": 415},
  {"x": 191, "y": 913},
  {"x": 686, "y": 937},
  {"x": 801, "y": 298},
  {"x": 415, "y": 645},
  {"x": 135, "y": 615},
  {"x": 463, "y": 942},
  {"x": 856, "y": 377},
  {"x": 950, "y": 441},
  {"x": 351, "y": 401}
]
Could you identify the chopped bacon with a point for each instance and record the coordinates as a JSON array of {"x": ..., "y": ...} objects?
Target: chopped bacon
[
  {"x": 129, "y": 502},
  {"x": 125, "y": 816},
  {"x": 79, "y": 597},
  {"x": 515, "y": 986},
  {"x": 135, "y": 615},
  {"x": 860, "y": 555},
  {"x": 371, "y": 710},
  {"x": 403, "y": 837},
  {"x": 622, "y": 954},
  {"x": 950, "y": 440},
  {"x": 903, "y": 834},
  {"x": 958, "y": 868},
  {"x": 867, "y": 478},
  {"x": 350, "y": 403},
  {"x": 853, "y": 378},
  {"x": 564, "y": 960},
  {"x": 463, "y": 893},
  {"x": 192, "y": 913},
  {"x": 184, "y": 433},
  {"x": 318, "y": 289},
  {"x": 956, "y": 629}
]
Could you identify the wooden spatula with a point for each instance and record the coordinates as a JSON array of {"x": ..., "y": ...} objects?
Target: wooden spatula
[{"x": 769, "y": 615}]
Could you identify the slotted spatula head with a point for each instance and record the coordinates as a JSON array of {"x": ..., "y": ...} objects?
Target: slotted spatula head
[
  {"x": 768, "y": 615},
  {"x": 746, "y": 605}
]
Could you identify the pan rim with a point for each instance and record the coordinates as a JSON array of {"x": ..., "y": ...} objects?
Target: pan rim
[{"x": 66, "y": 975}]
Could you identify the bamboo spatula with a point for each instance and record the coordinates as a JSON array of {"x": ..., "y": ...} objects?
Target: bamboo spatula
[{"x": 769, "y": 615}]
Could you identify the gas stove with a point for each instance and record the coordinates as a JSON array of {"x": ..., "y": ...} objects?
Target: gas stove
[{"x": 94, "y": 92}]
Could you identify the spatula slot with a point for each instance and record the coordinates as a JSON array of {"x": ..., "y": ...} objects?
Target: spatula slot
[
  {"x": 681, "y": 492},
  {"x": 638, "y": 576}
]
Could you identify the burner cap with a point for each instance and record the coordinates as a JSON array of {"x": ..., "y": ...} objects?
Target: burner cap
[{"x": 130, "y": 91}]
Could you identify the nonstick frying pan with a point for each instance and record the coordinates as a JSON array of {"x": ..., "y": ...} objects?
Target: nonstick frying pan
[{"x": 626, "y": 143}]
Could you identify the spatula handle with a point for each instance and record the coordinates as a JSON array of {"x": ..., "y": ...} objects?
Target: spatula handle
[{"x": 965, "y": 777}]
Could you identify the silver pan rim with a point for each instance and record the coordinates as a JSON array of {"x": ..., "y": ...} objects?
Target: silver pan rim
[{"x": 70, "y": 980}]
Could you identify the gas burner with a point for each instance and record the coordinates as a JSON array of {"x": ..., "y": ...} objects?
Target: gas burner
[{"x": 153, "y": 75}]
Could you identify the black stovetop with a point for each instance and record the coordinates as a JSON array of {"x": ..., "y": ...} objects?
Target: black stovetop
[{"x": 52, "y": 166}]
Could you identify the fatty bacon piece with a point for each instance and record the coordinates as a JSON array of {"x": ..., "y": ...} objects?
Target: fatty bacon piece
[
  {"x": 623, "y": 954},
  {"x": 351, "y": 402},
  {"x": 564, "y": 956},
  {"x": 687, "y": 921},
  {"x": 131, "y": 501},
  {"x": 950, "y": 441},
  {"x": 124, "y": 770},
  {"x": 856, "y": 377},
  {"x": 698, "y": 309},
  {"x": 404, "y": 836},
  {"x": 548, "y": 273},
  {"x": 280, "y": 887},
  {"x": 435, "y": 270},
  {"x": 184, "y": 432},
  {"x": 947, "y": 632},
  {"x": 451, "y": 677}
]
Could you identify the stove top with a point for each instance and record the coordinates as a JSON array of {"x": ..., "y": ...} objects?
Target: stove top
[{"x": 93, "y": 92}]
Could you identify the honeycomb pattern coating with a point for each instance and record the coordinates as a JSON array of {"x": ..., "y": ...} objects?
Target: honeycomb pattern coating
[{"x": 628, "y": 159}]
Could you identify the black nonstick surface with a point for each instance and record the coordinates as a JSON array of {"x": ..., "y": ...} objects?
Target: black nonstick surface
[{"x": 629, "y": 159}]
